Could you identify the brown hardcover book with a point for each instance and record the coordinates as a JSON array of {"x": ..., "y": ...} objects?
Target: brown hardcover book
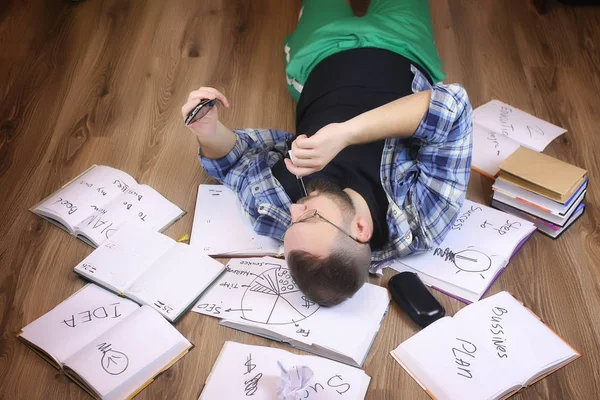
[{"x": 542, "y": 174}]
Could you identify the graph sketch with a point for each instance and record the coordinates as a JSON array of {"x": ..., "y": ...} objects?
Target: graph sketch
[{"x": 273, "y": 298}]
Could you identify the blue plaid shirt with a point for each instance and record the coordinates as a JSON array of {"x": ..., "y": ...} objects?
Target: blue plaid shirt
[{"x": 425, "y": 192}]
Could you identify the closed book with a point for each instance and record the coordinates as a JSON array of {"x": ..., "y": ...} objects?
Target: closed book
[{"x": 542, "y": 174}]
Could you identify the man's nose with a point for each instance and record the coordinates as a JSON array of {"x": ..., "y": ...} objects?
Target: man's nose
[{"x": 297, "y": 210}]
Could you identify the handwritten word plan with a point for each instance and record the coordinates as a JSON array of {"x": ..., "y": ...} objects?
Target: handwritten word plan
[
  {"x": 151, "y": 268},
  {"x": 488, "y": 350},
  {"x": 499, "y": 130},
  {"x": 98, "y": 202},
  {"x": 478, "y": 247},
  {"x": 221, "y": 229},
  {"x": 107, "y": 344},
  {"x": 259, "y": 296},
  {"x": 243, "y": 371}
]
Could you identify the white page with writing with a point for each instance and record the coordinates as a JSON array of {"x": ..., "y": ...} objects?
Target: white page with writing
[
  {"x": 175, "y": 280},
  {"x": 220, "y": 226},
  {"x": 76, "y": 321},
  {"x": 116, "y": 356},
  {"x": 124, "y": 257},
  {"x": 487, "y": 348},
  {"x": 261, "y": 292},
  {"x": 479, "y": 243},
  {"x": 490, "y": 149},
  {"x": 517, "y": 125},
  {"x": 243, "y": 371},
  {"x": 514, "y": 334},
  {"x": 139, "y": 204},
  {"x": 83, "y": 197}
]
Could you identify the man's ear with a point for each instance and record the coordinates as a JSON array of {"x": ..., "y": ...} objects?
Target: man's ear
[{"x": 363, "y": 230}]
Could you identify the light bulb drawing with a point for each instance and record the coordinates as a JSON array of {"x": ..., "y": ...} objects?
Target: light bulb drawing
[
  {"x": 468, "y": 260},
  {"x": 113, "y": 362}
]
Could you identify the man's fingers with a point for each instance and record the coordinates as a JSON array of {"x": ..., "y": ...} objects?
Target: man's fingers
[
  {"x": 298, "y": 171},
  {"x": 304, "y": 142},
  {"x": 298, "y": 153},
  {"x": 209, "y": 93}
]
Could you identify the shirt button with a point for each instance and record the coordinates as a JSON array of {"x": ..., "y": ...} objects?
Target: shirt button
[
  {"x": 390, "y": 147},
  {"x": 256, "y": 188},
  {"x": 385, "y": 178},
  {"x": 261, "y": 208},
  {"x": 395, "y": 212}
]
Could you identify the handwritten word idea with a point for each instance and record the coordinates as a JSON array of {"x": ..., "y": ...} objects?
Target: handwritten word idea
[{"x": 83, "y": 317}]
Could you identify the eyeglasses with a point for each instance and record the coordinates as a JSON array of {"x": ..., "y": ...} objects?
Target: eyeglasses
[{"x": 315, "y": 214}]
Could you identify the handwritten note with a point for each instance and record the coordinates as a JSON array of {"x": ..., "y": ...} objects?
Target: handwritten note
[
  {"x": 101, "y": 200},
  {"x": 76, "y": 321},
  {"x": 488, "y": 349},
  {"x": 499, "y": 129},
  {"x": 480, "y": 243},
  {"x": 244, "y": 371},
  {"x": 260, "y": 295}
]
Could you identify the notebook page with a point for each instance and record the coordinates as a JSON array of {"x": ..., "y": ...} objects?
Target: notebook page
[
  {"x": 76, "y": 321},
  {"x": 490, "y": 149},
  {"x": 479, "y": 243},
  {"x": 252, "y": 371},
  {"x": 175, "y": 280},
  {"x": 220, "y": 227},
  {"x": 453, "y": 364},
  {"x": 124, "y": 257},
  {"x": 86, "y": 195},
  {"x": 135, "y": 204},
  {"x": 261, "y": 292},
  {"x": 118, "y": 355},
  {"x": 516, "y": 334},
  {"x": 521, "y": 127}
]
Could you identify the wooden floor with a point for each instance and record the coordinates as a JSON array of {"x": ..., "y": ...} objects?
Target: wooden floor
[{"x": 103, "y": 81}]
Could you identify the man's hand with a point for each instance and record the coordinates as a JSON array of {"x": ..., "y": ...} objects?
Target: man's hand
[
  {"x": 207, "y": 125},
  {"x": 312, "y": 154},
  {"x": 215, "y": 140}
]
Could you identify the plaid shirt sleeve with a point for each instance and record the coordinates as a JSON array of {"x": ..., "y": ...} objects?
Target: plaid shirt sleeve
[{"x": 443, "y": 164}]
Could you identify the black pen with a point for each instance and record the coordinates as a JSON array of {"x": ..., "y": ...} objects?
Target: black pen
[{"x": 299, "y": 179}]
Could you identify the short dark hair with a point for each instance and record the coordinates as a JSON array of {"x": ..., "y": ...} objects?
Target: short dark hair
[{"x": 330, "y": 280}]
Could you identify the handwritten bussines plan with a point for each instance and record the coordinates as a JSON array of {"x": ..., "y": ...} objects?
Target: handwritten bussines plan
[
  {"x": 98, "y": 202},
  {"x": 244, "y": 371},
  {"x": 500, "y": 129},
  {"x": 478, "y": 247},
  {"x": 109, "y": 345},
  {"x": 488, "y": 350},
  {"x": 259, "y": 296},
  {"x": 151, "y": 268}
]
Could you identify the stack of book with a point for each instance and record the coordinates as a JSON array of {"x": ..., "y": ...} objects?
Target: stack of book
[{"x": 541, "y": 189}]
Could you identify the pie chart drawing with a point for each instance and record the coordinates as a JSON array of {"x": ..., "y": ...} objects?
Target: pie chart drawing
[{"x": 273, "y": 298}]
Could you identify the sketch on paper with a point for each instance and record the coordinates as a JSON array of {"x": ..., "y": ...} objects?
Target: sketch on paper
[{"x": 468, "y": 260}]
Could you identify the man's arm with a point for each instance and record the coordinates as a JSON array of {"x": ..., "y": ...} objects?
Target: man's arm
[{"x": 214, "y": 138}]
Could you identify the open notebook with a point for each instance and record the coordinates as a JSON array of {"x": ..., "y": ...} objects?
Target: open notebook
[
  {"x": 488, "y": 350},
  {"x": 259, "y": 296},
  {"x": 221, "y": 229},
  {"x": 243, "y": 371},
  {"x": 98, "y": 202},
  {"x": 479, "y": 245},
  {"x": 110, "y": 346},
  {"x": 151, "y": 268},
  {"x": 500, "y": 129}
]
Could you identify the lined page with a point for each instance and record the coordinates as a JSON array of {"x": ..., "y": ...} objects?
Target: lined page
[
  {"x": 85, "y": 196},
  {"x": 220, "y": 227},
  {"x": 243, "y": 371},
  {"x": 517, "y": 125},
  {"x": 175, "y": 280},
  {"x": 78, "y": 320},
  {"x": 124, "y": 257},
  {"x": 261, "y": 292},
  {"x": 120, "y": 354}
]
